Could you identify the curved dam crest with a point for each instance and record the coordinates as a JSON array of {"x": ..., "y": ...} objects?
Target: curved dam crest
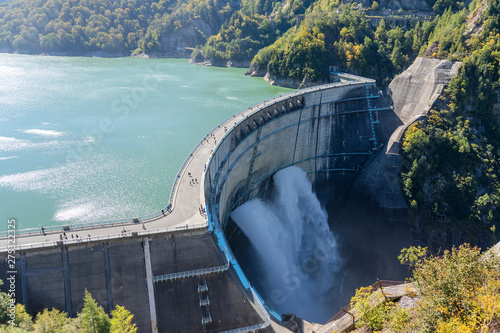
[
  {"x": 335, "y": 133},
  {"x": 327, "y": 131}
]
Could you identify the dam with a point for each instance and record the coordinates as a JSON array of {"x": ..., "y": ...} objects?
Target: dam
[{"x": 174, "y": 269}]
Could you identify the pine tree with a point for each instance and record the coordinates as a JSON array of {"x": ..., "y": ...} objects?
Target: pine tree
[{"x": 94, "y": 319}]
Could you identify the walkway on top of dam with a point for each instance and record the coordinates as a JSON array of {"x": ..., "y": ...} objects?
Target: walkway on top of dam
[{"x": 187, "y": 201}]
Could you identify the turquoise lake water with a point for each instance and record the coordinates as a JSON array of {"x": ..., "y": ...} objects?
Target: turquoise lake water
[{"x": 94, "y": 139}]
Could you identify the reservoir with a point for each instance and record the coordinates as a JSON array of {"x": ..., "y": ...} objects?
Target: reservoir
[{"x": 93, "y": 139}]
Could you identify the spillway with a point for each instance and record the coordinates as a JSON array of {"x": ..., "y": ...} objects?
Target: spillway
[
  {"x": 296, "y": 252},
  {"x": 258, "y": 177}
]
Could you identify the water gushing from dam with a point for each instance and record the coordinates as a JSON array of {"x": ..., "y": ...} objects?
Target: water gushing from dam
[{"x": 296, "y": 251}]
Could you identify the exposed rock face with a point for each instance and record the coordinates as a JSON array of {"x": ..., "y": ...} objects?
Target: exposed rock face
[
  {"x": 173, "y": 45},
  {"x": 290, "y": 82},
  {"x": 256, "y": 72},
  {"x": 281, "y": 81},
  {"x": 239, "y": 64},
  {"x": 191, "y": 35}
]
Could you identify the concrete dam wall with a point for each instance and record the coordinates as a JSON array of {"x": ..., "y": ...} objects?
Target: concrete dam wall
[
  {"x": 171, "y": 282},
  {"x": 328, "y": 131},
  {"x": 413, "y": 93}
]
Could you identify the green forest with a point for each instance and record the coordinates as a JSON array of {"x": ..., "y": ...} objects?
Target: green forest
[{"x": 116, "y": 27}]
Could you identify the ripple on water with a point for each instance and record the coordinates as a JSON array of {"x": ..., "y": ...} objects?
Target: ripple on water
[
  {"x": 44, "y": 133},
  {"x": 14, "y": 144}
]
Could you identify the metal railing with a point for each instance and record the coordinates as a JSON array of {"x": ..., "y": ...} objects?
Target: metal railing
[
  {"x": 89, "y": 225},
  {"x": 206, "y": 320},
  {"x": 86, "y": 239},
  {"x": 187, "y": 274},
  {"x": 376, "y": 286},
  {"x": 196, "y": 272}
]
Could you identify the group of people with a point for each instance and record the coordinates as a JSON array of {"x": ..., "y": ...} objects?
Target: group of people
[
  {"x": 212, "y": 136},
  {"x": 192, "y": 181},
  {"x": 75, "y": 237}
]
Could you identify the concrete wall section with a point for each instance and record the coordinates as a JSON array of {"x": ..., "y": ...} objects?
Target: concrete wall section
[
  {"x": 57, "y": 278},
  {"x": 307, "y": 132},
  {"x": 128, "y": 281},
  {"x": 43, "y": 260},
  {"x": 179, "y": 253},
  {"x": 230, "y": 306},
  {"x": 177, "y": 306},
  {"x": 45, "y": 287},
  {"x": 87, "y": 272},
  {"x": 415, "y": 90},
  {"x": 413, "y": 93}
]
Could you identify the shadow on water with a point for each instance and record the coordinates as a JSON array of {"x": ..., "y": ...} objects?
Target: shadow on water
[{"x": 369, "y": 241}]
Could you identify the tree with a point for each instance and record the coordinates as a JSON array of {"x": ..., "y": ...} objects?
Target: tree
[
  {"x": 397, "y": 56},
  {"x": 373, "y": 314},
  {"x": 94, "y": 319},
  {"x": 12, "y": 329},
  {"x": 460, "y": 290},
  {"x": 121, "y": 321},
  {"x": 50, "y": 321},
  {"x": 4, "y": 306},
  {"x": 27, "y": 39},
  {"x": 23, "y": 319}
]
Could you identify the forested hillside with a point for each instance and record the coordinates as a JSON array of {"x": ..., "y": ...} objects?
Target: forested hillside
[
  {"x": 217, "y": 30},
  {"x": 451, "y": 164},
  {"x": 115, "y": 27}
]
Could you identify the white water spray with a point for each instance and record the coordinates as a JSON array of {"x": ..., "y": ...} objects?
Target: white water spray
[{"x": 296, "y": 250}]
